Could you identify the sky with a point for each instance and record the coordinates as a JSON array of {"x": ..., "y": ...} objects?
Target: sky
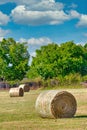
[{"x": 40, "y": 22}]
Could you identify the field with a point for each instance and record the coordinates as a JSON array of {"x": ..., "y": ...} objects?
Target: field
[{"x": 18, "y": 113}]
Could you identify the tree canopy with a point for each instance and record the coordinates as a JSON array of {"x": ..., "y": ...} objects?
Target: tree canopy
[
  {"x": 54, "y": 60},
  {"x": 14, "y": 59}
]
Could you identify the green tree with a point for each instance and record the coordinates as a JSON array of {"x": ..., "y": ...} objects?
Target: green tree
[
  {"x": 45, "y": 64},
  {"x": 14, "y": 57},
  {"x": 53, "y": 60},
  {"x": 73, "y": 58}
]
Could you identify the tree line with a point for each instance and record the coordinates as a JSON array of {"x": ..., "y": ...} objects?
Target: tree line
[
  {"x": 52, "y": 60},
  {"x": 56, "y": 60}
]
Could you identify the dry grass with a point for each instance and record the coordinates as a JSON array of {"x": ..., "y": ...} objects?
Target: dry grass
[{"x": 18, "y": 113}]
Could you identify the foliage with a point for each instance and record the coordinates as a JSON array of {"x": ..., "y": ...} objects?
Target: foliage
[
  {"x": 45, "y": 61},
  {"x": 73, "y": 78},
  {"x": 14, "y": 59},
  {"x": 32, "y": 73},
  {"x": 61, "y": 60}
]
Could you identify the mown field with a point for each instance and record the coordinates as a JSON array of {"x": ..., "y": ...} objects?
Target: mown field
[{"x": 18, "y": 113}]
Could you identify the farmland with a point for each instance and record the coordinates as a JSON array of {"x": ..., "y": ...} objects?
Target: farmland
[{"x": 18, "y": 113}]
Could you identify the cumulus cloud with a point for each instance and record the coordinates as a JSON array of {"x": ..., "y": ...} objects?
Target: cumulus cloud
[
  {"x": 82, "y": 21},
  {"x": 39, "y": 41},
  {"x": 22, "y": 15},
  {"x": 42, "y": 12},
  {"x": 34, "y": 44},
  {"x": 40, "y": 4},
  {"x": 4, "y": 19},
  {"x": 39, "y": 12},
  {"x": 82, "y": 18},
  {"x": 74, "y": 14},
  {"x": 36, "y": 41}
]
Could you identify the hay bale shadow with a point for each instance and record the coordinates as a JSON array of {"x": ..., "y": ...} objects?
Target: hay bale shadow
[{"x": 81, "y": 116}]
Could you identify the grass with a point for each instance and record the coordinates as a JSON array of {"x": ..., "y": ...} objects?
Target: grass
[{"x": 18, "y": 113}]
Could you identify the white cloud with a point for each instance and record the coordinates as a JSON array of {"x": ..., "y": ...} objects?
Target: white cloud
[
  {"x": 21, "y": 40},
  {"x": 39, "y": 41},
  {"x": 4, "y": 19},
  {"x": 40, "y": 4},
  {"x": 33, "y": 54},
  {"x": 23, "y": 16},
  {"x": 81, "y": 17},
  {"x": 39, "y": 12},
  {"x": 83, "y": 21},
  {"x": 34, "y": 44},
  {"x": 46, "y": 5},
  {"x": 36, "y": 41},
  {"x": 74, "y": 14},
  {"x": 42, "y": 12},
  {"x": 80, "y": 43}
]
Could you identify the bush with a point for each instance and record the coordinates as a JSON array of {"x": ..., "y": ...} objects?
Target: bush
[{"x": 73, "y": 78}]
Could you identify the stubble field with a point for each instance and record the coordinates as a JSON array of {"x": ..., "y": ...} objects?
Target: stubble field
[{"x": 18, "y": 113}]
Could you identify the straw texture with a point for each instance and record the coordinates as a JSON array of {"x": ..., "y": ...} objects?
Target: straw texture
[
  {"x": 25, "y": 87},
  {"x": 56, "y": 104},
  {"x": 16, "y": 92}
]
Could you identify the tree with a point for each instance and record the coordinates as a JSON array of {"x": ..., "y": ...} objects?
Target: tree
[
  {"x": 45, "y": 62},
  {"x": 14, "y": 57},
  {"x": 53, "y": 60},
  {"x": 73, "y": 58}
]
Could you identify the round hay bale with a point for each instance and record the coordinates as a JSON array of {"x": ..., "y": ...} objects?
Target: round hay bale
[
  {"x": 25, "y": 87},
  {"x": 56, "y": 104},
  {"x": 16, "y": 92}
]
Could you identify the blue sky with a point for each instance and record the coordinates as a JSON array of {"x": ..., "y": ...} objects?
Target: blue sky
[{"x": 40, "y": 22}]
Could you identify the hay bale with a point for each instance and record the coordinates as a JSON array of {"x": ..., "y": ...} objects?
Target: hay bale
[
  {"x": 25, "y": 87},
  {"x": 56, "y": 104},
  {"x": 16, "y": 92}
]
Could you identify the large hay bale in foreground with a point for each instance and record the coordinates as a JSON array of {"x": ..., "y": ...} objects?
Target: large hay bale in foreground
[
  {"x": 56, "y": 104},
  {"x": 16, "y": 92},
  {"x": 25, "y": 87}
]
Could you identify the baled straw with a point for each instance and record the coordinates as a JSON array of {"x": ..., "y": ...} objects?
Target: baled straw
[
  {"x": 16, "y": 92},
  {"x": 25, "y": 87},
  {"x": 56, "y": 104}
]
